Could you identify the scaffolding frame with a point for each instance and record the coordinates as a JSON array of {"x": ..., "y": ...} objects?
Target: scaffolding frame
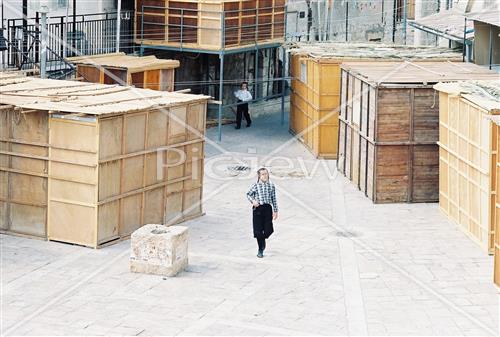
[{"x": 256, "y": 47}]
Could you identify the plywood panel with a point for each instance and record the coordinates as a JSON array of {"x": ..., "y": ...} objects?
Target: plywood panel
[
  {"x": 393, "y": 115},
  {"x": 342, "y": 149},
  {"x": 392, "y": 174},
  {"x": 355, "y": 157},
  {"x": 72, "y": 223},
  {"x": 111, "y": 134},
  {"x": 114, "y": 76},
  {"x": 425, "y": 173},
  {"x": 467, "y": 157},
  {"x": 152, "y": 79},
  {"x": 23, "y": 172},
  {"x": 496, "y": 217},
  {"x": 104, "y": 185},
  {"x": 108, "y": 219},
  {"x": 89, "y": 74}
]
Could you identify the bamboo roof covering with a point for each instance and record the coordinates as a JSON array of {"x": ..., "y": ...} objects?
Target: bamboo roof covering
[
  {"x": 336, "y": 50},
  {"x": 85, "y": 98},
  {"x": 485, "y": 94},
  {"x": 12, "y": 74},
  {"x": 406, "y": 72},
  {"x": 129, "y": 62}
]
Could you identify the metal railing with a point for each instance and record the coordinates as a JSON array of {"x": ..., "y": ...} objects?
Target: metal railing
[{"x": 88, "y": 34}]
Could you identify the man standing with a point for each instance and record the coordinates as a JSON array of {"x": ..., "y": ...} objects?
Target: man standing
[{"x": 243, "y": 95}]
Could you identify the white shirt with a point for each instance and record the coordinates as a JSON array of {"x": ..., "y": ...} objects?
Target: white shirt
[{"x": 243, "y": 95}]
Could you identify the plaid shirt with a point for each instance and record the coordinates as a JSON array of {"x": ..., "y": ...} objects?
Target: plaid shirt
[{"x": 263, "y": 193}]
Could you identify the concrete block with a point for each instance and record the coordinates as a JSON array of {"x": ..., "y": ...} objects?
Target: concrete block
[{"x": 158, "y": 249}]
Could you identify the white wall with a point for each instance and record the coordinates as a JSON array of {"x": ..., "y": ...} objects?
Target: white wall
[{"x": 13, "y": 8}]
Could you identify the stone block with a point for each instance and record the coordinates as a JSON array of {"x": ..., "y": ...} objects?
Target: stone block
[{"x": 158, "y": 249}]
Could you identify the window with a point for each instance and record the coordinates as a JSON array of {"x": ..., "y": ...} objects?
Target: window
[
  {"x": 410, "y": 10},
  {"x": 303, "y": 72}
]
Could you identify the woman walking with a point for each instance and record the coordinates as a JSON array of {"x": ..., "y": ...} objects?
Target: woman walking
[{"x": 262, "y": 195}]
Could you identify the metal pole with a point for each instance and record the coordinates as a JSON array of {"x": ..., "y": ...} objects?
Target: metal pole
[
  {"x": 221, "y": 96},
  {"x": 65, "y": 34},
  {"x": 118, "y": 24},
  {"x": 490, "y": 52},
  {"x": 25, "y": 31},
  {"x": 283, "y": 62},
  {"x": 346, "y": 21},
  {"x": 283, "y": 70},
  {"x": 318, "y": 27},
  {"x": 141, "y": 50},
  {"x": 74, "y": 16},
  {"x": 465, "y": 31},
  {"x": 404, "y": 21},
  {"x": 256, "y": 79},
  {"x": 43, "y": 53}
]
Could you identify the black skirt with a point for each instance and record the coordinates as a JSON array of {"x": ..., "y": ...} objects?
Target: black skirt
[{"x": 263, "y": 221}]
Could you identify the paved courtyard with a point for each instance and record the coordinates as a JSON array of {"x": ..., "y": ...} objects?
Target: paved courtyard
[{"x": 336, "y": 265}]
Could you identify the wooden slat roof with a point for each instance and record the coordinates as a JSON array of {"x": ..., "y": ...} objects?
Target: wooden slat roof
[
  {"x": 339, "y": 50},
  {"x": 485, "y": 94},
  {"x": 129, "y": 62},
  {"x": 418, "y": 72},
  {"x": 85, "y": 98}
]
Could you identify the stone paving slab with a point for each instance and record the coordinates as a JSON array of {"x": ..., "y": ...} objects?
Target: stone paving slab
[{"x": 336, "y": 265}]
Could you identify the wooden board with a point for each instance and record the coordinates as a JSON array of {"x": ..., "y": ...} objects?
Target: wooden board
[
  {"x": 115, "y": 178},
  {"x": 155, "y": 74},
  {"x": 315, "y": 98},
  {"x": 200, "y": 24},
  {"x": 389, "y": 147},
  {"x": 126, "y": 171},
  {"x": 467, "y": 167},
  {"x": 23, "y": 172},
  {"x": 496, "y": 213}
]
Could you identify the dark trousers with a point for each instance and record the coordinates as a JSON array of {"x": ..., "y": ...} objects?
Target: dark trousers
[
  {"x": 262, "y": 244},
  {"x": 242, "y": 109}
]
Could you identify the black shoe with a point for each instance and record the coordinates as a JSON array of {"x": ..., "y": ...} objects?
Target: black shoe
[
  {"x": 238, "y": 127},
  {"x": 260, "y": 254},
  {"x": 249, "y": 124}
]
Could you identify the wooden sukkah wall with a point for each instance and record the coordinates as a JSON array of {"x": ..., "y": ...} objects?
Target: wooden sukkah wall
[
  {"x": 200, "y": 24},
  {"x": 468, "y": 157},
  {"x": 389, "y": 126},
  {"x": 138, "y": 159},
  {"x": 315, "y": 96},
  {"x": 146, "y": 72}
]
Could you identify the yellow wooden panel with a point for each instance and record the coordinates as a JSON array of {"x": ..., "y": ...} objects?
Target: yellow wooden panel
[
  {"x": 72, "y": 223},
  {"x": 466, "y": 164},
  {"x": 62, "y": 134}
]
